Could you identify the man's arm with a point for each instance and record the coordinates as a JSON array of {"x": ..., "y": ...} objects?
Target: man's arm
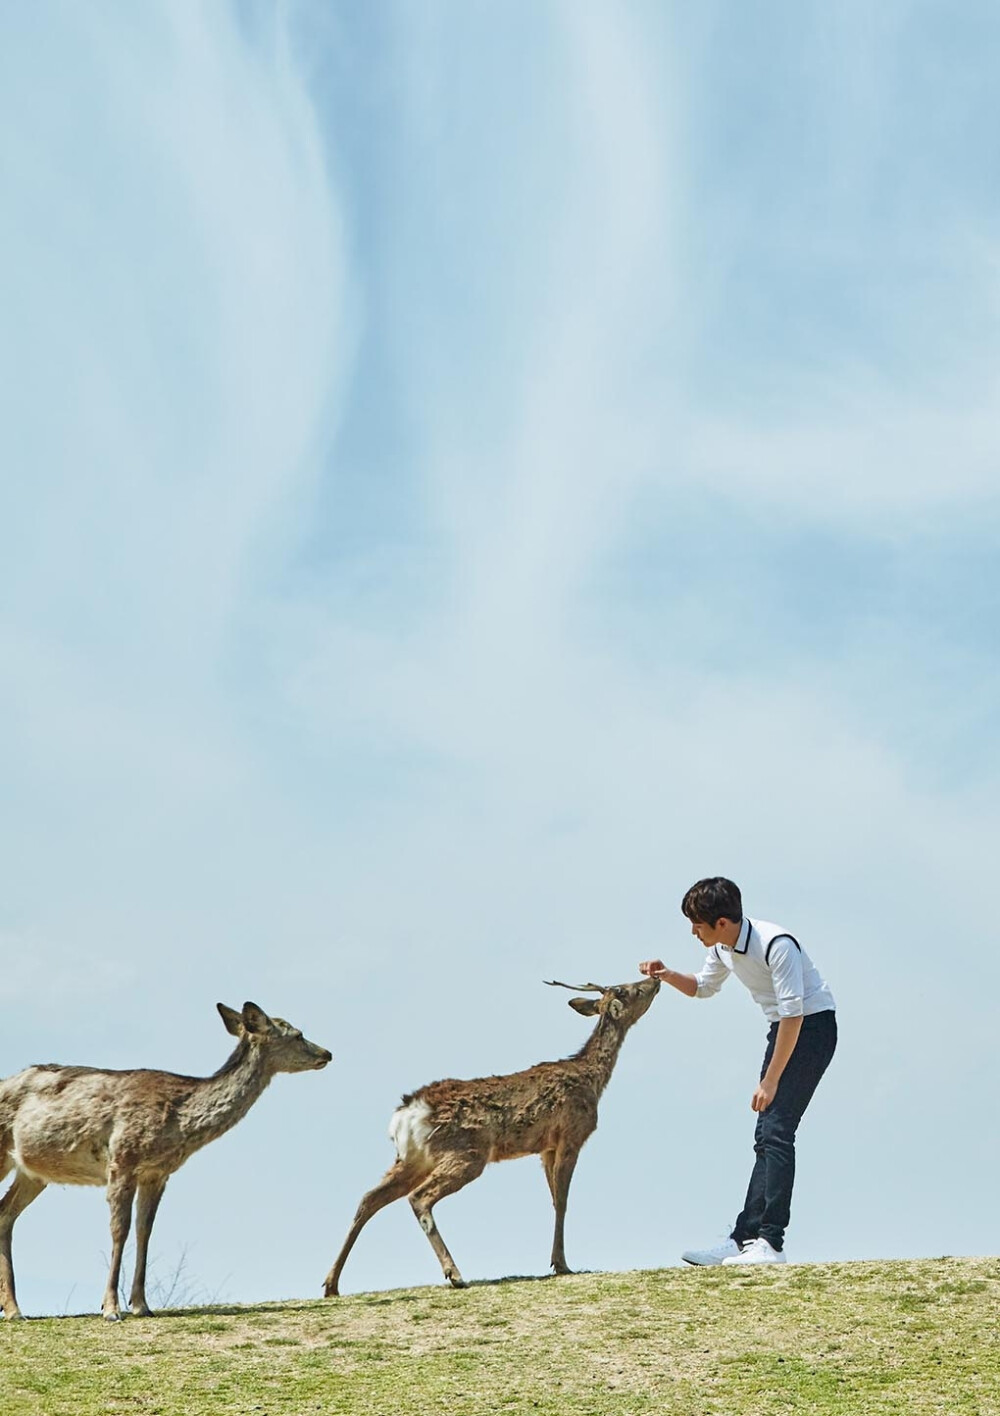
[
  {"x": 784, "y": 1046},
  {"x": 684, "y": 983},
  {"x": 786, "y": 974}
]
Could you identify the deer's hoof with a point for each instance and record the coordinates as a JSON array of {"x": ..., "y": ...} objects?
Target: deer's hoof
[
  {"x": 330, "y": 1290},
  {"x": 112, "y": 1317},
  {"x": 15, "y": 1317},
  {"x": 141, "y": 1310},
  {"x": 457, "y": 1281}
]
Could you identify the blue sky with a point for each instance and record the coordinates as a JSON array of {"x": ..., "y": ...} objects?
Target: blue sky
[{"x": 469, "y": 471}]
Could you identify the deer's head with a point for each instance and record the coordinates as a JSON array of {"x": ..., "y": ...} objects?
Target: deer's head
[
  {"x": 287, "y": 1050},
  {"x": 623, "y": 1003}
]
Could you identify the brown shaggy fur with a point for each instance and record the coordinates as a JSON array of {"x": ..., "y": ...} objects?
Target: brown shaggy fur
[{"x": 448, "y": 1132}]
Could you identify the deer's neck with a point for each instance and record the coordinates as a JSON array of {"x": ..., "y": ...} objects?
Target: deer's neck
[
  {"x": 599, "y": 1053},
  {"x": 216, "y": 1103}
]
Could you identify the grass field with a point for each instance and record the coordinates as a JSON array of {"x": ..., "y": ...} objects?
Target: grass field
[{"x": 900, "y": 1337}]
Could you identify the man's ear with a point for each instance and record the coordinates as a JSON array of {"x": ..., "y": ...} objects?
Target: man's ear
[
  {"x": 255, "y": 1020},
  {"x": 232, "y": 1019},
  {"x": 587, "y": 1006}
]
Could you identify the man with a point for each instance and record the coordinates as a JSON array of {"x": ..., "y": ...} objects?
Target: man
[{"x": 800, "y": 1044}]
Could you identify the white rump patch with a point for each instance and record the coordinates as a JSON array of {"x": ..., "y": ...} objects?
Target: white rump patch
[{"x": 410, "y": 1129}]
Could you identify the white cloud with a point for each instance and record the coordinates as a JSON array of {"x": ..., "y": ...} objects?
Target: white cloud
[{"x": 875, "y": 467}]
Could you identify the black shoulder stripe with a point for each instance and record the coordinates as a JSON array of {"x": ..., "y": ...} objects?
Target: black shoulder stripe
[{"x": 767, "y": 951}]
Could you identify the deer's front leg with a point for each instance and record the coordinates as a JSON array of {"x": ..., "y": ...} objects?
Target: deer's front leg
[
  {"x": 559, "y": 1172},
  {"x": 121, "y": 1192},
  {"x": 146, "y": 1206}
]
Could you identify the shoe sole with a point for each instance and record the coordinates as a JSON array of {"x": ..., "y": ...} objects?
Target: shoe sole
[{"x": 753, "y": 1263}]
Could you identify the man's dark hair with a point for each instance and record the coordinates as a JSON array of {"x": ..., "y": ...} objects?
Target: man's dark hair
[{"x": 713, "y": 899}]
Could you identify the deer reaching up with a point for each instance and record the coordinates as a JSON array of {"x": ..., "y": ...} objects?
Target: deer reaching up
[
  {"x": 130, "y": 1131},
  {"x": 447, "y": 1133}
]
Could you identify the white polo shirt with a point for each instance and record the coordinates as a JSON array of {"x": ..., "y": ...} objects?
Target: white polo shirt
[{"x": 776, "y": 969}]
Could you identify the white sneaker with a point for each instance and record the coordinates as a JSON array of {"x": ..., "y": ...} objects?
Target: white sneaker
[
  {"x": 722, "y": 1253},
  {"x": 757, "y": 1251}
]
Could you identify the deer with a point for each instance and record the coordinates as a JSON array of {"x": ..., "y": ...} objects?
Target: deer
[
  {"x": 446, "y": 1133},
  {"x": 129, "y": 1131}
]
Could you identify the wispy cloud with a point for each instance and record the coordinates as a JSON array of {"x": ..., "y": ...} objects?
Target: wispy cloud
[
  {"x": 177, "y": 313},
  {"x": 178, "y": 322}
]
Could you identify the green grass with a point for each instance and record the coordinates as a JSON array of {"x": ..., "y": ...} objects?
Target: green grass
[{"x": 914, "y": 1338}]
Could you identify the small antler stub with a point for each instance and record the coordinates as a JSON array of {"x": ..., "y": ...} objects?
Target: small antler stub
[{"x": 576, "y": 987}]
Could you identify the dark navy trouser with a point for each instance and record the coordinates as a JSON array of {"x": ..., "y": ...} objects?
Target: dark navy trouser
[{"x": 769, "y": 1195}]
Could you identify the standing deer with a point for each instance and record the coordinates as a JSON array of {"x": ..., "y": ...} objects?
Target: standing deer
[
  {"x": 130, "y": 1131},
  {"x": 447, "y": 1133}
]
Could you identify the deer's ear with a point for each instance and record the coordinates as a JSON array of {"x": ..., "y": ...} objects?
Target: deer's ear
[
  {"x": 254, "y": 1019},
  {"x": 232, "y": 1019},
  {"x": 616, "y": 1008},
  {"x": 587, "y": 1006}
]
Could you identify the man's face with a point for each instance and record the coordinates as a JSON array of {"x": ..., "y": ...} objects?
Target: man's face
[
  {"x": 709, "y": 934},
  {"x": 723, "y": 932}
]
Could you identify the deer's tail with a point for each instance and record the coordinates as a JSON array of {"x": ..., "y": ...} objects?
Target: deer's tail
[{"x": 410, "y": 1130}]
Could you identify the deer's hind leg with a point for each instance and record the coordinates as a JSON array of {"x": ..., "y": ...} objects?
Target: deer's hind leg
[
  {"x": 395, "y": 1183},
  {"x": 450, "y": 1175},
  {"x": 20, "y": 1195},
  {"x": 121, "y": 1193}
]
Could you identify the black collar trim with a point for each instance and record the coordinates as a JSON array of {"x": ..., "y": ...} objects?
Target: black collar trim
[{"x": 746, "y": 942}]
